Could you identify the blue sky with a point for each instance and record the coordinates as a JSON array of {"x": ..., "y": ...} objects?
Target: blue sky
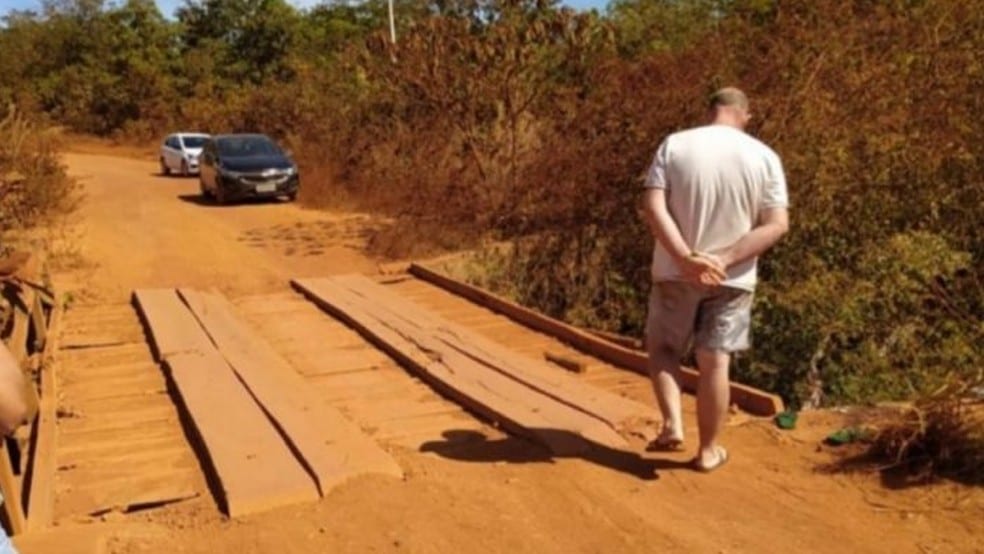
[{"x": 168, "y": 6}]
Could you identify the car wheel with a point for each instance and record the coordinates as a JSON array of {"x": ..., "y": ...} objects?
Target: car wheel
[
  {"x": 184, "y": 168},
  {"x": 165, "y": 170},
  {"x": 292, "y": 196}
]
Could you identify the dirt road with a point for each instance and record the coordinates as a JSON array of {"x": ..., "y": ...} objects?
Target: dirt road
[
  {"x": 499, "y": 495},
  {"x": 141, "y": 229}
]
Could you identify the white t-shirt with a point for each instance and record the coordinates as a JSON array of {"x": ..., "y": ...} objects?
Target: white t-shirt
[{"x": 717, "y": 180}]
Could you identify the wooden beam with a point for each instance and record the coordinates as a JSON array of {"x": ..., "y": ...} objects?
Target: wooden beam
[
  {"x": 530, "y": 371},
  {"x": 482, "y": 376},
  {"x": 41, "y": 475},
  {"x": 747, "y": 398},
  {"x": 331, "y": 447},
  {"x": 252, "y": 467},
  {"x": 12, "y": 510}
]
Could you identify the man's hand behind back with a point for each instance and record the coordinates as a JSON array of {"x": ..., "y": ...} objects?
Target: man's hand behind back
[{"x": 702, "y": 268}]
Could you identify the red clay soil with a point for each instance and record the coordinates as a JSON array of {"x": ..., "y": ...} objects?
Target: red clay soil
[{"x": 491, "y": 492}]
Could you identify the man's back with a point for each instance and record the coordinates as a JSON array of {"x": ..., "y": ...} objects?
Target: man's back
[{"x": 717, "y": 180}]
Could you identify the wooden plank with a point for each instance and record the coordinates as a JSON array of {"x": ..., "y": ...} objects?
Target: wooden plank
[
  {"x": 490, "y": 393},
  {"x": 110, "y": 371},
  {"x": 570, "y": 363},
  {"x": 330, "y": 446},
  {"x": 75, "y": 452},
  {"x": 113, "y": 384},
  {"x": 99, "y": 392},
  {"x": 172, "y": 457},
  {"x": 127, "y": 491},
  {"x": 98, "y": 358},
  {"x": 12, "y": 509},
  {"x": 41, "y": 475},
  {"x": 173, "y": 328},
  {"x": 85, "y": 539},
  {"x": 88, "y": 440},
  {"x": 471, "y": 391},
  {"x": 621, "y": 340},
  {"x": 338, "y": 361},
  {"x": 148, "y": 421},
  {"x": 529, "y": 370},
  {"x": 747, "y": 398},
  {"x": 252, "y": 466}
]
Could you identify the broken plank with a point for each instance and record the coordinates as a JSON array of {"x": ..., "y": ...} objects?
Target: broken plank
[
  {"x": 329, "y": 445},
  {"x": 490, "y": 393},
  {"x": 532, "y": 372}
]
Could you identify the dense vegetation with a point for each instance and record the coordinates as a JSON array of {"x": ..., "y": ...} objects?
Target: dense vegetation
[
  {"x": 525, "y": 121},
  {"x": 34, "y": 188}
]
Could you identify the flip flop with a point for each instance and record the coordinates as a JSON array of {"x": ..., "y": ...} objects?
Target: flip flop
[
  {"x": 665, "y": 444},
  {"x": 722, "y": 459}
]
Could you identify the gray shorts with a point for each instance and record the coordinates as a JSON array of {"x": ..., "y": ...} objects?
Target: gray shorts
[{"x": 717, "y": 318}]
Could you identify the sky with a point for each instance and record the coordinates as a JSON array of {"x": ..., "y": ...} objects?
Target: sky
[{"x": 167, "y": 7}]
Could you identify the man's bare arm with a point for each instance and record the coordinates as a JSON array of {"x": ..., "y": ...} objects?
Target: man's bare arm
[
  {"x": 772, "y": 225},
  {"x": 665, "y": 230},
  {"x": 661, "y": 223}
]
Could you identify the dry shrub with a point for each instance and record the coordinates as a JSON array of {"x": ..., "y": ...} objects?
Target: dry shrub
[
  {"x": 439, "y": 130},
  {"x": 941, "y": 435},
  {"x": 877, "y": 292},
  {"x": 34, "y": 187}
]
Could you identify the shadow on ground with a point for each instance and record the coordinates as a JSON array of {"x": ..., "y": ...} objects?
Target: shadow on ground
[
  {"x": 473, "y": 446},
  {"x": 199, "y": 200}
]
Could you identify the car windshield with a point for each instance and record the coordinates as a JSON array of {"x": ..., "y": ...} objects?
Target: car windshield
[
  {"x": 246, "y": 146},
  {"x": 194, "y": 141}
]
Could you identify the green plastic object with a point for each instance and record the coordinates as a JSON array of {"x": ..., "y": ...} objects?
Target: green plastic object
[
  {"x": 848, "y": 435},
  {"x": 786, "y": 420}
]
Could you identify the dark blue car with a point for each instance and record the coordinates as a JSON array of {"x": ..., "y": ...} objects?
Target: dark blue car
[{"x": 244, "y": 166}]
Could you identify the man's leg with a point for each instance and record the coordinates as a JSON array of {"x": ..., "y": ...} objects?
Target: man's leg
[
  {"x": 713, "y": 397},
  {"x": 664, "y": 370},
  {"x": 722, "y": 328},
  {"x": 672, "y": 309}
]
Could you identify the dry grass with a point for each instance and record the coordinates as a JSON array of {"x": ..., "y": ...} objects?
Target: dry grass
[{"x": 939, "y": 436}]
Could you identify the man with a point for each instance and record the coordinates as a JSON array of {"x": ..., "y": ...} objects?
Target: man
[{"x": 715, "y": 200}]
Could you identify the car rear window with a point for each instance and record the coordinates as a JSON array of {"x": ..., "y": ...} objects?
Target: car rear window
[
  {"x": 194, "y": 142},
  {"x": 246, "y": 146}
]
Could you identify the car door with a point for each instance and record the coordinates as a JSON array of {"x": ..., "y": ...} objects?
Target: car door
[
  {"x": 173, "y": 152},
  {"x": 166, "y": 152}
]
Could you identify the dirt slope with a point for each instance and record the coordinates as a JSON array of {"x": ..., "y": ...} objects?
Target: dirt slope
[{"x": 500, "y": 495}]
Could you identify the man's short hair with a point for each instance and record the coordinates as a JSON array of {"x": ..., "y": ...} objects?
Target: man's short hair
[{"x": 728, "y": 96}]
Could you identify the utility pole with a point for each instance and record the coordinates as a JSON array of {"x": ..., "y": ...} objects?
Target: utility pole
[{"x": 392, "y": 23}]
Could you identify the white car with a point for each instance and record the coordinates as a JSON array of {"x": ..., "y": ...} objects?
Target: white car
[{"x": 180, "y": 153}]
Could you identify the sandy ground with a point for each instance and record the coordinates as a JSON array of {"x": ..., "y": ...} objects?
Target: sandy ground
[{"x": 776, "y": 494}]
